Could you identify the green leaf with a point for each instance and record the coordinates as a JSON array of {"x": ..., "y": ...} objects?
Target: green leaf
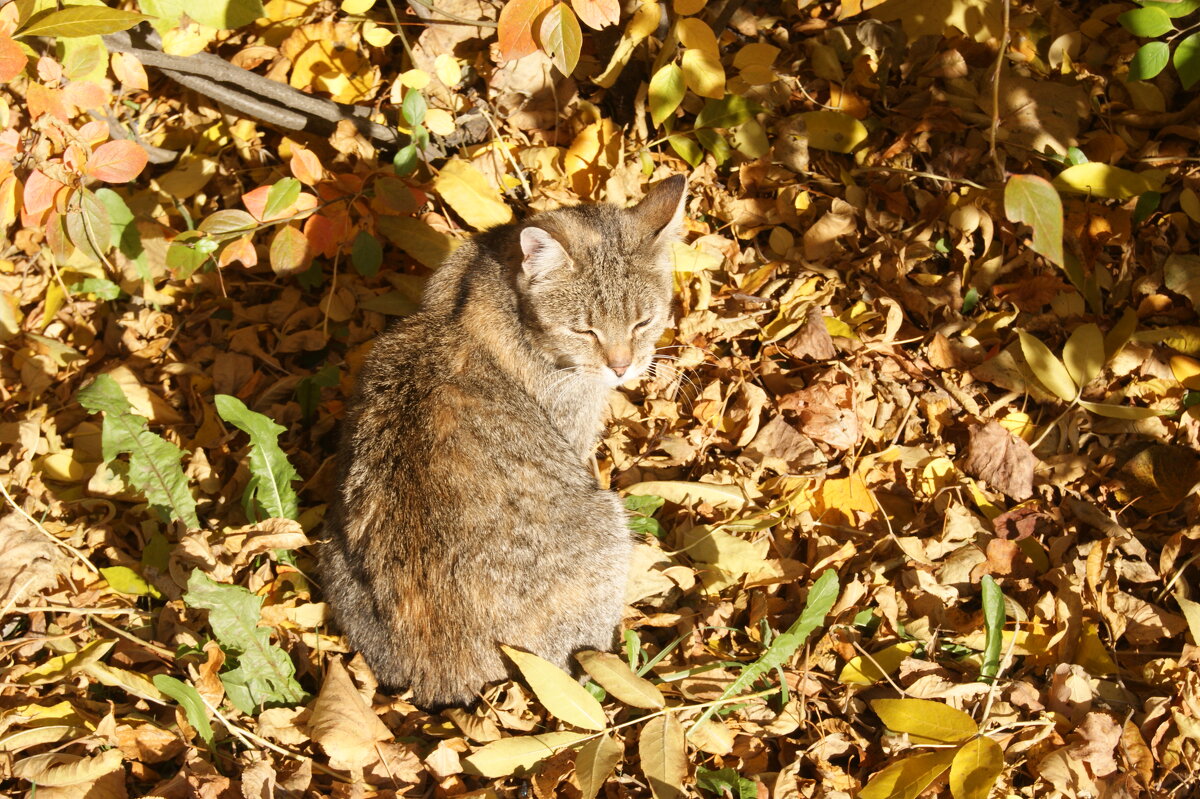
[
  {"x": 1034, "y": 201},
  {"x": 686, "y": 148},
  {"x": 728, "y": 112},
  {"x": 79, "y": 21},
  {"x": 821, "y": 596},
  {"x": 1049, "y": 370},
  {"x": 906, "y": 778},
  {"x": 642, "y": 510},
  {"x": 725, "y": 782},
  {"x": 223, "y": 14},
  {"x": 974, "y": 770},
  {"x": 413, "y": 107},
  {"x": 153, "y": 462},
  {"x": 125, "y": 580},
  {"x": 1149, "y": 60},
  {"x": 366, "y": 254},
  {"x": 561, "y": 37},
  {"x": 1187, "y": 60},
  {"x": 227, "y": 224},
  {"x": 265, "y": 671},
  {"x": 280, "y": 197},
  {"x": 666, "y": 92},
  {"x": 993, "y": 624},
  {"x": 561, "y": 693},
  {"x": 518, "y": 754},
  {"x": 189, "y": 699},
  {"x": 1173, "y": 8},
  {"x": 715, "y": 143},
  {"x": 406, "y": 160},
  {"x": 1148, "y": 22},
  {"x": 271, "y": 475},
  {"x": 1104, "y": 180}
]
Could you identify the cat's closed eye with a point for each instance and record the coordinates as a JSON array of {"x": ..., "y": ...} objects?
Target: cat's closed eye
[
  {"x": 587, "y": 332},
  {"x": 642, "y": 323}
]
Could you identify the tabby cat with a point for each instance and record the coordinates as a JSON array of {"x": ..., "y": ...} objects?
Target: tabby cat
[{"x": 468, "y": 513}]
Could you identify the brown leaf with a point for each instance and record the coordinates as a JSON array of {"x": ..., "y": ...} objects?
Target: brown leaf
[
  {"x": 342, "y": 723},
  {"x": 1001, "y": 460},
  {"x": 29, "y": 562}
]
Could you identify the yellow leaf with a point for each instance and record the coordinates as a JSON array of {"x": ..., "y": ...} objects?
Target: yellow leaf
[
  {"x": 448, "y": 69},
  {"x": 1092, "y": 654},
  {"x": 1103, "y": 180},
  {"x": 703, "y": 74},
  {"x": 1019, "y": 424},
  {"x": 847, "y": 494},
  {"x": 863, "y": 671},
  {"x": 377, "y": 36},
  {"x": 694, "y": 34},
  {"x": 58, "y": 769},
  {"x": 663, "y": 750},
  {"x": 561, "y": 693},
  {"x": 615, "y": 676},
  {"x": 979, "y": 19},
  {"x": 975, "y": 768},
  {"x": 685, "y": 7},
  {"x": 1083, "y": 354},
  {"x": 939, "y": 473},
  {"x": 188, "y": 41},
  {"x": 467, "y": 191},
  {"x": 128, "y": 681},
  {"x": 1186, "y": 371},
  {"x": 756, "y": 54},
  {"x": 925, "y": 720},
  {"x": 1049, "y": 370},
  {"x": 727, "y": 552},
  {"x": 60, "y": 666},
  {"x": 1191, "y": 612},
  {"x": 513, "y": 755},
  {"x": 439, "y": 121},
  {"x": 685, "y": 493},
  {"x": 595, "y": 763},
  {"x": 906, "y": 778},
  {"x": 833, "y": 130},
  {"x": 1126, "y": 412},
  {"x": 357, "y": 6},
  {"x": 690, "y": 259},
  {"x": 415, "y": 79},
  {"x": 62, "y": 466}
]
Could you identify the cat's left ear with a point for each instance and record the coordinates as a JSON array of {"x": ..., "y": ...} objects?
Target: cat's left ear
[
  {"x": 661, "y": 211},
  {"x": 540, "y": 253}
]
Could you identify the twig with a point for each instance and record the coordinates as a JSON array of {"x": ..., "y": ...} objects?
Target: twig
[
  {"x": 12, "y": 503},
  {"x": 996, "y": 96},
  {"x": 79, "y": 611},
  {"x": 162, "y": 652},
  {"x": 252, "y": 94},
  {"x": 480, "y": 23},
  {"x": 917, "y": 174}
]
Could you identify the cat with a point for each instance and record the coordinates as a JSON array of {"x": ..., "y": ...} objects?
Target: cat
[{"x": 467, "y": 513}]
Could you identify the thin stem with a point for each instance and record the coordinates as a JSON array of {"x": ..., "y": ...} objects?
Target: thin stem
[
  {"x": 13, "y": 504},
  {"x": 482, "y": 23},
  {"x": 995, "y": 153}
]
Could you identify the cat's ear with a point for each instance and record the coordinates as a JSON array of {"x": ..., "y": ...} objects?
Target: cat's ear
[
  {"x": 661, "y": 211},
  {"x": 540, "y": 253}
]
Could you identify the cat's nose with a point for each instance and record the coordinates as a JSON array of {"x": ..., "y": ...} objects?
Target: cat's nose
[
  {"x": 619, "y": 370},
  {"x": 619, "y": 360}
]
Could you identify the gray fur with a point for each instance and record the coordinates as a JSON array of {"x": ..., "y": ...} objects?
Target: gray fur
[{"x": 467, "y": 512}]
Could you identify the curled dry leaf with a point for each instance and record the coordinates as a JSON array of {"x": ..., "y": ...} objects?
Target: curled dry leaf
[{"x": 342, "y": 723}]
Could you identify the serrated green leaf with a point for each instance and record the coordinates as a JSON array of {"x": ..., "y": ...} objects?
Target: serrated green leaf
[
  {"x": 265, "y": 670},
  {"x": 1187, "y": 60},
  {"x": 1149, "y": 60},
  {"x": 81, "y": 21},
  {"x": 726, "y": 782},
  {"x": 153, "y": 462},
  {"x": 821, "y": 596},
  {"x": 666, "y": 92},
  {"x": 1148, "y": 22},
  {"x": 189, "y": 699},
  {"x": 1035, "y": 202},
  {"x": 1048, "y": 369},
  {"x": 280, "y": 197},
  {"x": 271, "y": 475}
]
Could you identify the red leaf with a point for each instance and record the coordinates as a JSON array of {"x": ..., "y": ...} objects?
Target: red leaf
[
  {"x": 321, "y": 236},
  {"x": 256, "y": 202},
  {"x": 597, "y": 14},
  {"x": 290, "y": 252},
  {"x": 516, "y": 27},
  {"x": 117, "y": 161},
  {"x": 12, "y": 59}
]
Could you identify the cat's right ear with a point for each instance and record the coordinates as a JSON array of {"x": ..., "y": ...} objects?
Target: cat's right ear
[
  {"x": 540, "y": 253},
  {"x": 661, "y": 211}
]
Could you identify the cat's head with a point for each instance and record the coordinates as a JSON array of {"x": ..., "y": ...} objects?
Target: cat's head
[{"x": 595, "y": 282}]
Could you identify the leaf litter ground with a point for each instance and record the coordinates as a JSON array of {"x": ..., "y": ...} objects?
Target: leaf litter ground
[{"x": 887, "y": 370}]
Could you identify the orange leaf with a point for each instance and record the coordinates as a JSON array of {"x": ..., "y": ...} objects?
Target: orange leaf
[
  {"x": 321, "y": 237},
  {"x": 12, "y": 59},
  {"x": 39, "y": 193},
  {"x": 238, "y": 250},
  {"x": 117, "y": 161},
  {"x": 597, "y": 14},
  {"x": 40, "y": 100},
  {"x": 306, "y": 167},
  {"x": 515, "y": 33}
]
